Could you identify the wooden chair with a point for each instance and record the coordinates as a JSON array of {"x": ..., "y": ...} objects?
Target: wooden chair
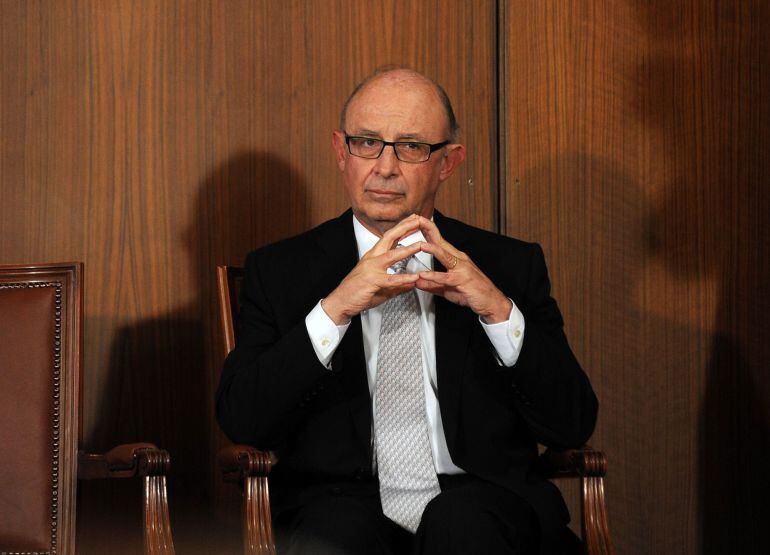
[
  {"x": 244, "y": 464},
  {"x": 40, "y": 393},
  {"x": 589, "y": 466},
  {"x": 248, "y": 465}
]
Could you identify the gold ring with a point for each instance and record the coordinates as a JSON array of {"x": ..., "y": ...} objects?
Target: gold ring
[{"x": 453, "y": 263}]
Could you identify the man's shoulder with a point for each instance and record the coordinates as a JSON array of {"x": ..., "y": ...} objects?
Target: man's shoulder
[
  {"x": 301, "y": 245},
  {"x": 509, "y": 262},
  {"x": 482, "y": 241}
]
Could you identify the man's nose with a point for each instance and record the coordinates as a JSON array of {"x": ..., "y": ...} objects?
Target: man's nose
[{"x": 387, "y": 163}]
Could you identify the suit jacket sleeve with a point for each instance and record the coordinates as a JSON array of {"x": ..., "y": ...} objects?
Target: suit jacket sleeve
[
  {"x": 273, "y": 370},
  {"x": 551, "y": 391}
]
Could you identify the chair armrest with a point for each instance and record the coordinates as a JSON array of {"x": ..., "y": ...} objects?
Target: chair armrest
[
  {"x": 144, "y": 460},
  {"x": 124, "y": 461},
  {"x": 589, "y": 466},
  {"x": 241, "y": 461},
  {"x": 573, "y": 463}
]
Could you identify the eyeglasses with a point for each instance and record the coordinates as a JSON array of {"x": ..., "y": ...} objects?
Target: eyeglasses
[{"x": 406, "y": 151}]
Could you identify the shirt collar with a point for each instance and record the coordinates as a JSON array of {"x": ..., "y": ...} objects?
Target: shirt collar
[{"x": 365, "y": 240}]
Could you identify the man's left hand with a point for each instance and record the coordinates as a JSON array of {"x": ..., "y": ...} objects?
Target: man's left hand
[{"x": 463, "y": 283}]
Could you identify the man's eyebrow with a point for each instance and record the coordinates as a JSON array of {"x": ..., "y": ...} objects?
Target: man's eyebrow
[
  {"x": 365, "y": 133},
  {"x": 411, "y": 137},
  {"x": 400, "y": 137}
]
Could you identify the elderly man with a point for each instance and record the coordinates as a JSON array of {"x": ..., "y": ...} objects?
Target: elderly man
[{"x": 402, "y": 364}]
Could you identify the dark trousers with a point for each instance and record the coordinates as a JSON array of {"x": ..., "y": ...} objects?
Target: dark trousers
[{"x": 469, "y": 516}]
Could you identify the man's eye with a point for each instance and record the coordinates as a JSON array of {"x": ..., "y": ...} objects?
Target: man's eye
[
  {"x": 370, "y": 142},
  {"x": 412, "y": 146}
]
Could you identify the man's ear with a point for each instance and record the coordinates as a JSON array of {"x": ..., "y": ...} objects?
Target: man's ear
[
  {"x": 454, "y": 157},
  {"x": 340, "y": 149}
]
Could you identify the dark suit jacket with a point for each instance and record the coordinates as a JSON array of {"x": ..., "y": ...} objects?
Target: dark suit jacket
[{"x": 275, "y": 394}]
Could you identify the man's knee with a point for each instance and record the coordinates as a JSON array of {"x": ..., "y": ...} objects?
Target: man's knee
[
  {"x": 462, "y": 519},
  {"x": 335, "y": 525},
  {"x": 449, "y": 510}
]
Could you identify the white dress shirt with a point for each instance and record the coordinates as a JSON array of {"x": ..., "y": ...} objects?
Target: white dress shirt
[{"x": 506, "y": 337}]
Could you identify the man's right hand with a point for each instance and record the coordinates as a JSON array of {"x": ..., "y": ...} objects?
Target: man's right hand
[{"x": 368, "y": 284}]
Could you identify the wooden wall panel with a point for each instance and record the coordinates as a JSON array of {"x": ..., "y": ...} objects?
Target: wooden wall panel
[
  {"x": 636, "y": 151},
  {"x": 155, "y": 140}
]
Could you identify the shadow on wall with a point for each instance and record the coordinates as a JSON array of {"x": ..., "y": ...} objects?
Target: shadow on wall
[
  {"x": 592, "y": 217},
  {"x": 163, "y": 371},
  {"x": 712, "y": 220},
  {"x": 697, "y": 234}
]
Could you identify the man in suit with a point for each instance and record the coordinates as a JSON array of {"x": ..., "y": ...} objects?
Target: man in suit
[{"x": 404, "y": 365}]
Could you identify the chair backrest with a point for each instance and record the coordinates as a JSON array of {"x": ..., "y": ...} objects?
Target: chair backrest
[
  {"x": 40, "y": 344},
  {"x": 229, "y": 280}
]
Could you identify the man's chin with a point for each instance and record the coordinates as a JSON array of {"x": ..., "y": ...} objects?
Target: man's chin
[{"x": 380, "y": 223}]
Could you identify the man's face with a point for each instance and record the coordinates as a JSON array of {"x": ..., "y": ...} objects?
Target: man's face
[{"x": 385, "y": 190}]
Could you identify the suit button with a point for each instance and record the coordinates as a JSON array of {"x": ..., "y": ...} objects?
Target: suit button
[{"x": 336, "y": 491}]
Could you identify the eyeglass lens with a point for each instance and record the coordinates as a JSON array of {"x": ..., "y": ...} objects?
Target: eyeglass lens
[{"x": 372, "y": 148}]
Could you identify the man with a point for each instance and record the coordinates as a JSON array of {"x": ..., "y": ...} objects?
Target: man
[{"x": 403, "y": 365}]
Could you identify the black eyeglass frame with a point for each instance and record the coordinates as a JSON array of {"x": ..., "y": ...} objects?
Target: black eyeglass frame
[{"x": 432, "y": 147}]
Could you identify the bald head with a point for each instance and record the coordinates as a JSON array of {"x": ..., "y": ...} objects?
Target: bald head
[
  {"x": 396, "y": 107},
  {"x": 406, "y": 79}
]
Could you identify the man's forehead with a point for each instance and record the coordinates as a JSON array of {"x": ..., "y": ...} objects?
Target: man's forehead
[
  {"x": 413, "y": 107},
  {"x": 394, "y": 87}
]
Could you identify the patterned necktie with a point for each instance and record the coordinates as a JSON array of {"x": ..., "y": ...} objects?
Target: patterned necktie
[{"x": 404, "y": 459}]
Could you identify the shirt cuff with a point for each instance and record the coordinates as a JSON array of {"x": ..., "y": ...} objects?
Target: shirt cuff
[
  {"x": 324, "y": 334},
  {"x": 507, "y": 336}
]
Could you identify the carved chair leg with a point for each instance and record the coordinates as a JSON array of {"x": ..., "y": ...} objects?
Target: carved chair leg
[
  {"x": 596, "y": 532},
  {"x": 257, "y": 526},
  {"x": 157, "y": 527}
]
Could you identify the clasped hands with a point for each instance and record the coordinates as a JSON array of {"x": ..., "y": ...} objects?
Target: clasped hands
[{"x": 369, "y": 285}]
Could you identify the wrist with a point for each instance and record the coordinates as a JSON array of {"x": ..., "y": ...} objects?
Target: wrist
[
  {"x": 499, "y": 313},
  {"x": 334, "y": 311}
]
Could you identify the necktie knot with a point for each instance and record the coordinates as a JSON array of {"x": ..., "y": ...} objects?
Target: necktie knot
[{"x": 400, "y": 266}]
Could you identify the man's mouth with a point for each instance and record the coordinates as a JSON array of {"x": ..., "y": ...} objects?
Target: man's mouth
[{"x": 385, "y": 193}]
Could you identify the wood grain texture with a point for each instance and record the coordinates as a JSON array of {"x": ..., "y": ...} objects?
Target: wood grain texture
[
  {"x": 156, "y": 140},
  {"x": 636, "y": 151}
]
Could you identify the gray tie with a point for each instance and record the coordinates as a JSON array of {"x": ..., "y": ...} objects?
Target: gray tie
[{"x": 405, "y": 462}]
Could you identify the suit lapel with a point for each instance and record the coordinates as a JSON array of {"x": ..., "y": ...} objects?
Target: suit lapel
[
  {"x": 338, "y": 243},
  {"x": 352, "y": 365},
  {"x": 453, "y": 333}
]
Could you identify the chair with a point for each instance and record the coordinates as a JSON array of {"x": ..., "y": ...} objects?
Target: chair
[
  {"x": 243, "y": 464},
  {"x": 40, "y": 390},
  {"x": 251, "y": 467},
  {"x": 589, "y": 466}
]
